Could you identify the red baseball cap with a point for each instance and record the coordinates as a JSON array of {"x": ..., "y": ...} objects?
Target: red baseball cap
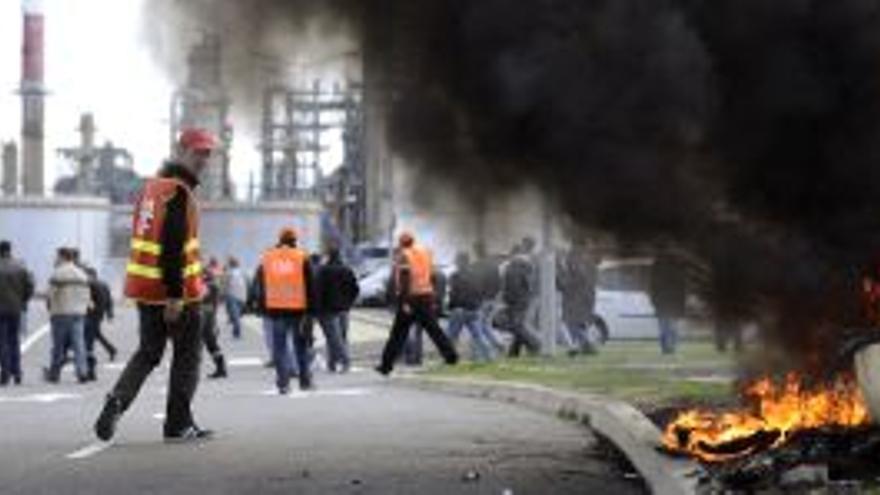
[{"x": 197, "y": 139}]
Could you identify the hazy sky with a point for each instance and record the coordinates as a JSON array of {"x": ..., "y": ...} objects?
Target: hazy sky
[{"x": 96, "y": 60}]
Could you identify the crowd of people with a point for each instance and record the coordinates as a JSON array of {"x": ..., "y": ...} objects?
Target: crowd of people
[{"x": 177, "y": 293}]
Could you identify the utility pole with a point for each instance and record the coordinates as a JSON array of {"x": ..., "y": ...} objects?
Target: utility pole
[{"x": 548, "y": 317}]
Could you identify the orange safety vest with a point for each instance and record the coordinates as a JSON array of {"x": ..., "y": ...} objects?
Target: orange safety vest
[
  {"x": 143, "y": 275},
  {"x": 420, "y": 263},
  {"x": 284, "y": 278}
]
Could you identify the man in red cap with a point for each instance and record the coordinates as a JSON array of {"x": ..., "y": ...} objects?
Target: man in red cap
[{"x": 164, "y": 278}]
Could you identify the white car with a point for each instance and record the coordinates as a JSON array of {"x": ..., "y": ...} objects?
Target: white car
[{"x": 622, "y": 299}]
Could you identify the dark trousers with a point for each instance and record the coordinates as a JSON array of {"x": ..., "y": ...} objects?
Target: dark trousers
[
  {"x": 209, "y": 330},
  {"x": 421, "y": 312},
  {"x": 94, "y": 334},
  {"x": 10, "y": 350},
  {"x": 186, "y": 338}
]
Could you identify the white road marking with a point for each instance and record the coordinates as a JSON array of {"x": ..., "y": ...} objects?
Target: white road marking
[
  {"x": 241, "y": 362},
  {"x": 339, "y": 392},
  {"x": 159, "y": 416},
  {"x": 89, "y": 450},
  {"x": 34, "y": 337},
  {"x": 46, "y": 398}
]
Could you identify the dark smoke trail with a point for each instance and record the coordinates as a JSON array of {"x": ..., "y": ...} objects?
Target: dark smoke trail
[{"x": 744, "y": 130}]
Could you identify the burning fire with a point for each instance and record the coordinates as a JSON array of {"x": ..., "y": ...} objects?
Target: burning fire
[{"x": 776, "y": 412}]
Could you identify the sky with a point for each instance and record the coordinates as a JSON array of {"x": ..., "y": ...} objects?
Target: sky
[{"x": 96, "y": 61}]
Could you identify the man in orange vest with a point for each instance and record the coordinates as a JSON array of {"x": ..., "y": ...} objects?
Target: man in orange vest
[
  {"x": 164, "y": 277},
  {"x": 283, "y": 287},
  {"x": 413, "y": 266}
]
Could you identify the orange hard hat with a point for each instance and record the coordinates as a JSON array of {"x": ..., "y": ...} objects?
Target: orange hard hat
[
  {"x": 406, "y": 238},
  {"x": 197, "y": 139},
  {"x": 287, "y": 234}
]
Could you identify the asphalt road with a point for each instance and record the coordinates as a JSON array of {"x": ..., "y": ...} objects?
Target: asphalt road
[{"x": 357, "y": 433}]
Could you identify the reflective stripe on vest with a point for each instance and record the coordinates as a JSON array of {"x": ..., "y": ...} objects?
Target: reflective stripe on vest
[
  {"x": 143, "y": 278},
  {"x": 421, "y": 265},
  {"x": 284, "y": 278}
]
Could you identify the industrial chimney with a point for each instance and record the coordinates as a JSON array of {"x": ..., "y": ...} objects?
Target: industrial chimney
[
  {"x": 32, "y": 94},
  {"x": 10, "y": 169}
]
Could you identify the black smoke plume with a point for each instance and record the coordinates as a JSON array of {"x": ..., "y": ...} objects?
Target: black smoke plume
[{"x": 744, "y": 131}]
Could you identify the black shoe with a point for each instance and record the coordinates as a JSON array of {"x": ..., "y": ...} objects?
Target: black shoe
[
  {"x": 305, "y": 387},
  {"x": 4, "y": 379},
  {"x": 112, "y": 355},
  {"x": 382, "y": 371},
  {"x": 191, "y": 433},
  {"x": 220, "y": 368},
  {"x": 50, "y": 376},
  {"x": 105, "y": 427},
  {"x": 285, "y": 390},
  {"x": 16, "y": 379}
]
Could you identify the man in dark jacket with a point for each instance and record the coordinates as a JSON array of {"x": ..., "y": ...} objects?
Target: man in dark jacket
[
  {"x": 101, "y": 308},
  {"x": 16, "y": 288},
  {"x": 668, "y": 297},
  {"x": 576, "y": 279},
  {"x": 337, "y": 289},
  {"x": 464, "y": 307},
  {"x": 517, "y": 293}
]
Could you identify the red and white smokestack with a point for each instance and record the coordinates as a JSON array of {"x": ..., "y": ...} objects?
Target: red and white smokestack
[{"x": 32, "y": 94}]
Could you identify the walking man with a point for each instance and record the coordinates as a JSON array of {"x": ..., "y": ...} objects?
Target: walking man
[
  {"x": 164, "y": 277},
  {"x": 16, "y": 288},
  {"x": 100, "y": 308},
  {"x": 235, "y": 294},
  {"x": 284, "y": 279},
  {"x": 415, "y": 303},
  {"x": 464, "y": 307},
  {"x": 68, "y": 301},
  {"x": 210, "y": 303},
  {"x": 337, "y": 288}
]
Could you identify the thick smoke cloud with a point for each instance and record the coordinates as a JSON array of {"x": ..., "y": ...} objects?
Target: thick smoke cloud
[{"x": 743, "y": 131}]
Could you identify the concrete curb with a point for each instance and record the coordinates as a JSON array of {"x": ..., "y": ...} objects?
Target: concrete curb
[{"x": 625, "y": 426}]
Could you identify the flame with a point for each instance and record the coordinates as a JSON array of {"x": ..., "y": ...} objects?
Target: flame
[{"x": 777, "y": 411}]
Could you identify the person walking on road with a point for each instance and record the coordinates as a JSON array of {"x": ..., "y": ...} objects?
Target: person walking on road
[
  {"x": 211, "y": 302},
  {"x": 284, "y": 282},
  {"x": 415, "y": 303},
  {"x": 337, "y": 289},
  {"x": 517, "y": 293},
  {"x": 68, "y": 301},
  {"x": 235, "y": 294},
  {"x": 164, "y": 277},
  {"x": 16, "y": 288},
  {"x": 100, "y": 308}
]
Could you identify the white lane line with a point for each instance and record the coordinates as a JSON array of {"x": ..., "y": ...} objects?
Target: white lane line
[
  {"x": 241, "y": 362},
  {"x": 340, "y": 392},
  {"x": 159, "y": 416},
  {"x": 46, "y": 398},
  {"x": 34, "y": 337},
  {"x": 89, "y": 450}
]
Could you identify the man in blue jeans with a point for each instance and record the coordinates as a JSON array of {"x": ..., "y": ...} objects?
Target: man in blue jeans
[
  {"x": 283, "y": 288},
  {"x": 336, "y": 291},
  {"x": 464, "y": 307},
  {"x": 668, "y": 281},
  {"x": 68, "y": 300},
  {"x": 16, "y": 288}
]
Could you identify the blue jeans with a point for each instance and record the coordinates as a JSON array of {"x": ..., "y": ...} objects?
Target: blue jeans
[
  {"x": 10, "y": 349},
  {"x": 290, "y": 329},
  {"x": 668, "y": 334},
  {"x": 68, "y": 328},
  {"x": 337, "y": 350},
  {"x": 486, "y": 310},
  {"x": 470, "y": 319},
  {"x": 233, "y": 310}
]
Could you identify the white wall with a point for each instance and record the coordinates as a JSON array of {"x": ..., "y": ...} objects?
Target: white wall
[{"x": 37, "y": 226}]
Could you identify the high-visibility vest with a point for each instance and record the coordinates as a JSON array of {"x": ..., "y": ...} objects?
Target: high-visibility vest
[
  {"x": 143, "y": 275},
  {"x": 420, "y": 263},
  {"x": 284, "y": 278}
]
